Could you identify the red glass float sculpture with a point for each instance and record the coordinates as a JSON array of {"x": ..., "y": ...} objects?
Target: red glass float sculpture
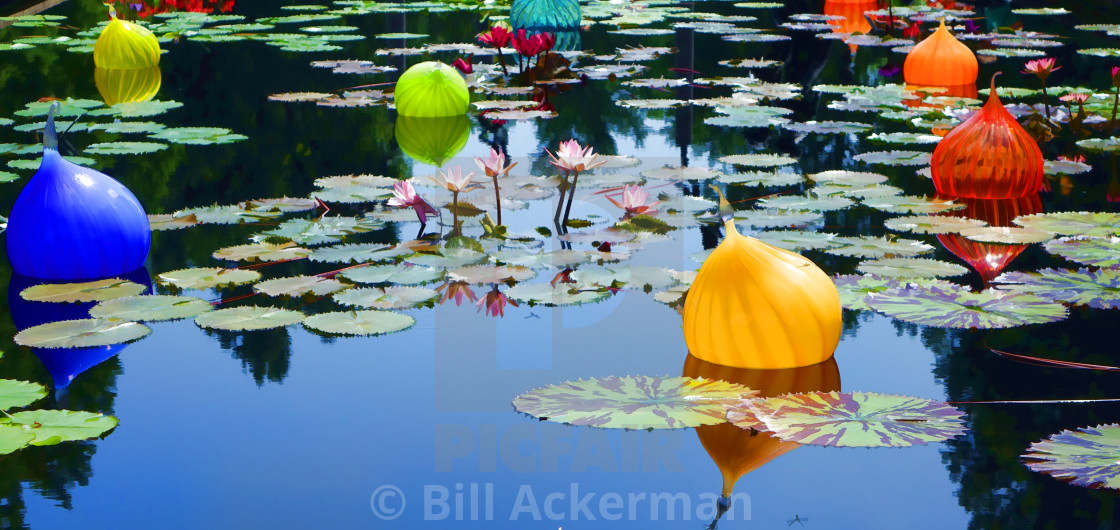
[{"x": 989, "y": 156}]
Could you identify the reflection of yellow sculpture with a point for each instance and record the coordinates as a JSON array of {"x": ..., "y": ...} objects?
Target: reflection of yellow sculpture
[
  {"x": 119, "y": 85},
  {"x": 739, "y": 451},
  {"x": 125, "y": 45},
  {"x": 432, "y": 141},
  {"x": 757, "y": 306}
]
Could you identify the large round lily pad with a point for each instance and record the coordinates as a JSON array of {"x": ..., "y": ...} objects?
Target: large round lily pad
[
  {"x": 249, "y": 318},
  {"x": 151, "y": 308},
  {"x": 81, "y": 333},
  {"x": 1085, "y": 457},
  {"x": 19, "y": 394},
  {"x": 359, "y": 322},
  {"x": 52, "y": 427},
  {"x": 95, "y": 291}
]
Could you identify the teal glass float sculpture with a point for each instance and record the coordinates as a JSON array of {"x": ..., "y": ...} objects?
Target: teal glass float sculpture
[
  {"x": 431, "y": 89},
  {"x": 545, "y": 15},
  {"x": 73, "y": 223}
]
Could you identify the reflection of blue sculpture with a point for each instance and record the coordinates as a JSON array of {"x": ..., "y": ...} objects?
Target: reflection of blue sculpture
[
  {"x": 544, "y": 15},
  {"x": 73, "y": 223},
  {"x": 567, "y": 41},
  {"x": 64, "y": 364}
]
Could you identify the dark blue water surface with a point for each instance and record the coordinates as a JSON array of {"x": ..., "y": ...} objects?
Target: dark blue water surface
[{"x": 288, "y": 429}]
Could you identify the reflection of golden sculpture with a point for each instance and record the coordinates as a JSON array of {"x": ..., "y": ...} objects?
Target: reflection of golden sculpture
[
  {"x": 738, "y": 451},
  {"x": 432, "y": 141},
  {"x": 121, "y": 85}
]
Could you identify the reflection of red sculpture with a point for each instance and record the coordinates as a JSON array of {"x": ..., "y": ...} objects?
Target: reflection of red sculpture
[
  {"x": 940, "y": 60},
  {"x": 739, "y": 451},
  {"x": 146, "y": 8},
  {"x": 989, "y": 259},
  {"x": 989, "y": 156},
  {"x": 854, "y": 20}
]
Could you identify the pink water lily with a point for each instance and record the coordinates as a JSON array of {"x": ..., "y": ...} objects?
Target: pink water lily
[
  {"x": 404, "y": 196},
  {"x": 573, "y": 157},
  {"x": 634, "y": 201},
  {"x": 1041, "y": 67},
  {"x": 1075, "y": 98},
  {"x": 454, "y": 180},
  {"x": 494, "y": 303}
]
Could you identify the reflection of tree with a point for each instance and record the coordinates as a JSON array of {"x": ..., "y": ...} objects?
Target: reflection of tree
[
  {"x": 995, "y": 487},
  {"x": 264, "y": 354}
]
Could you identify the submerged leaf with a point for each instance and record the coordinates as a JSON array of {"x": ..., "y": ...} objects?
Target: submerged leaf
[
  {"x": 855, "y": 419},
  {"x": 634, "y": 402}
]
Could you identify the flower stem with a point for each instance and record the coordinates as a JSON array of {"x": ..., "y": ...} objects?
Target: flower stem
[
  {"x": 497, "y": 199},
  {"x": 571, "y": 196},
  {"x": 455, "y": 212},
  {"x": 502, "y": 60},
  {"x": 1112, "y": 122},
  {"x": 1046, "y": 99},
  {"x": 560, "y": 203}
]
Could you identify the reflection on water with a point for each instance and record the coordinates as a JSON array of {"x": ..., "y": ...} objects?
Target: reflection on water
[
  {"x": 989, "y": 259},
  {"x": 127, "y": 85},
  {"x": 264, "y": 354}
]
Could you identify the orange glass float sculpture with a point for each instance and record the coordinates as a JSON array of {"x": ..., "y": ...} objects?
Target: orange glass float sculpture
[
  {"x": 753, "y": 305},
  {"x": 739, "y": 451},
  {"x": 989, "y": 156},
  {"x": 940, "y": 60},
  {"x": 989, "y": 259}
]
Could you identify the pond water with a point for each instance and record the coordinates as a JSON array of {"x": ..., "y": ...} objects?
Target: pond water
[{"x": 291, "y": 428}]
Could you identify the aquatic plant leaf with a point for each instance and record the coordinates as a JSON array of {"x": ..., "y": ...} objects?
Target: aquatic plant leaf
[
  {"x": 911, "y": 268},
  {"x": 763, "y": 178},
  {"x": 33, "y": 165},
  {"x": 854, "y": 288},
  {"x": 392, "y": 297},
  {"x": 910, "y": 204},
  {"x": 806, "y": 202},
  {"x": 282, "y": 205},
  {"x": 14, "y": 394},
  {"x": 124, "y": 148},
  {"x": 150, "y": 308},
  {"x": 905, "y": 138},
  {"x": 299, "y": 286},
  {"x": 1096, "y": 251},
  {"x": 1099, "y": 289},
  {"x": 851, "y": 419},
  {"x": 758, "y": 160},
  {"x": 1065, "y": 167},
  {"x": 403, "y": 274},
  {"x": 894, "y": 158},
  {"x": 262, "y": 252},
  {"x": 323, "y": 230},
  {"x": 12, "y": 438},
  {"x": 540, "y": 260},
  {"x": 167, "y": 221},
  {"x": 81, "y": 333},
  {"x": 198, "y": 135},
  {"x": 757, "y": 116},
  {"x": 878, "y": 247},
  {"x": 225, "y": 215},
  {"x": 52, "y": 427},
  {"x": 128, "y": 127},
  {"x": 634, "y": 402},
  {"x": 932, "y": 224},
  {"x": 300, "y": 97},
  {"x": 249, "y": 318},
  {"x": 208, "y": 277},
  {"x": 359, "y": 322},
  {"x": 827, "y": 127},
  {"x": 450, "y": 258},
  {"x": 959, "y": 308},
  {"x": 137, "y": 109},
  {"x": 773, "y": 218},
  {"x": 352, "y": 194},
  {"x": 487, "y": 274},
  {"x": 1012, "y": 235},
  {"x": 848, "y": 178},
  {"x": 1072, "y": 223},
  {"x": 95, "y": 291},
  {"x": 796, "y": 240},
  {"x": 559, "y": 295},
  {"x": 647, "y": 278},
  {"x": 1086, "y": 457}
]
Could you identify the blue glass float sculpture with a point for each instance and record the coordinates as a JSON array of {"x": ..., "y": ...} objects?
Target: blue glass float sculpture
[
  {"x": 544, "y": 15},
  {"x": 73, "y": 223}
]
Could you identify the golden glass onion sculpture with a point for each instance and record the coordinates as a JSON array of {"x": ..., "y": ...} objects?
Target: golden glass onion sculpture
[
  {"x": 989, "y": 156},
  {"x": 125, "y": 45},
  {"x": 753, "y": 305},
  {"x": 127, "y": 85},
  {"x": 739, "y": 451},
  {"x": 940, "y": 60}
]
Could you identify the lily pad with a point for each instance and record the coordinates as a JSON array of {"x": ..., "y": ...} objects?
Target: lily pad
[
  {"x": 208, "y": 277},
  {"x": 393, "y": 297},
  {"x": 796, "y": 240},
  {"x": 52, "y": 427},
  {"x": 911, "y": 204},
  {"x": 878, "y": 247},
  {"x": 1012, "y": 235},
  {"x": 359, "y": 322},
  {"x": 827, "y": 127},
  {"x": 487, "y": 274},
  {"x": 1099, "y": 289},
  {"x": 634, "y": 402},
  {"x": 12, "y": 438},
  {"x": 354, "y": 253},
  {"x": 911, "y": 268},
  {"x": 959, "y": 308},
  {"x": 299, "y": 286},
  {"x": 262, "y": 252},
  {"x": 1086, "y": 457},
  {"x": 851, "y": 419},
  {"x": 124, "y": 148},
  {"x": 758, "y": 160},
  {"x": 403, "y": 274},
  {"x": 631, "y": 277},
  {"x": 81, "y": 333},
  {"x": 1096, "y": 251},
  {"x": 151, "y": 308},
  {"x": 249, "y": 318},
  {"x": 95, "y": 291},
  {"x": 1072, "y": 223},
  {"x": 198, "y": 135},
  {"x": 559, "y": 295},
  {"x": 894, "y": 158},
  {"x": 932, "y": 224},
  {"x": 15, "y": 394}
]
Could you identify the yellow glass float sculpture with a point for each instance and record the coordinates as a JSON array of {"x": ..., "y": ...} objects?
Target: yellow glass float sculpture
[
  {"x": 753, "y": 305},
  {"x": 125, "y": 45}
]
